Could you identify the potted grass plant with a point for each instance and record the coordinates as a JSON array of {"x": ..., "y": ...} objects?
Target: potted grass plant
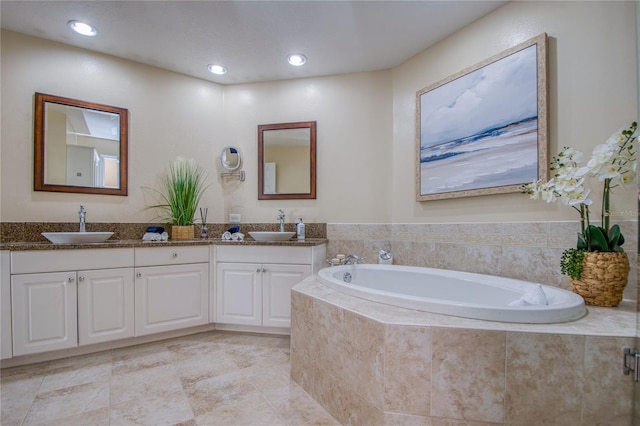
[{"x": 182, "y": 186}]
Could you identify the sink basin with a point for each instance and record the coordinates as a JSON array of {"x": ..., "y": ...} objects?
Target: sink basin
[
  {"x": 271, "y": 236},
  {"x": 76, "y": 237}
]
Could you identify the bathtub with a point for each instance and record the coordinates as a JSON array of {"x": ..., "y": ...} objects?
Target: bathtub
[{"x": 461, "y": 294}]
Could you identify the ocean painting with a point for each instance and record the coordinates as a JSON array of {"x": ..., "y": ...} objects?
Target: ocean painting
[{"x": 480, "y": 130}]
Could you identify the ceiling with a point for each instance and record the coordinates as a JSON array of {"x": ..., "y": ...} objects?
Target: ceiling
[{"x": 250, "y": 38}]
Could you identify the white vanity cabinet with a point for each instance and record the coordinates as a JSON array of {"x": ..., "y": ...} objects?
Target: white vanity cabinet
[
  {"x": 171, "y": 288},
  {"x": 253, "y": 283},
  {"x": 105, "y": 305},
  {"x": 257, "y": 294},
  {"x": 45, "y": 315},
  {"x": 64, "y": 298},
  {"x": 238, "y": 293}
]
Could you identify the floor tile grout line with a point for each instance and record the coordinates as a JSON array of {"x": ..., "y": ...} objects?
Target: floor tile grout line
[
  {"x": 241, "y": 343},
  {"x": 35, "y": 396},
  {"x": 264, "y": 397}
]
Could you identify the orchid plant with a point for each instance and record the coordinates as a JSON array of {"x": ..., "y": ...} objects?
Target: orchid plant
[{"x": 614, "y": 164}]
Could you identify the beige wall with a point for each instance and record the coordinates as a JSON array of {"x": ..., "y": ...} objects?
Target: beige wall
[
  {"x": 55, "y": 166},
  {"x": 292, "y": 167},
  {"x": 592, "y": 85},
  {"x": 170, "y": 115},
  {"x": 354, "y": 130},
  {"x": 366, "y": 121}
]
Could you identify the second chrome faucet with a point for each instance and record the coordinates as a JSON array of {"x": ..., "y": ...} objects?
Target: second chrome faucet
[
  {"x": 281, "y": 219},
  {"x": 83, "y": 219}
]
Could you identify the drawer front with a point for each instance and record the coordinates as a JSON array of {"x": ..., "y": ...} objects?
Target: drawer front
[
  {"x": 152, "y": 256},
  {"x": 29, "y": 262},
  {"x": 268, "y": 254}
]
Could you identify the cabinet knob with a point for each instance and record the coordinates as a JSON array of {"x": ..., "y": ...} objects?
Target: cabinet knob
[
  {"x": 258, "y": 270},
  {"x": 263, "y": 270},
  {"x": 139, "y": 275},
  {"x": 81, "y": 278},
  {"x": 71, "y": 279},
  {"x": 174, "y": 255}
]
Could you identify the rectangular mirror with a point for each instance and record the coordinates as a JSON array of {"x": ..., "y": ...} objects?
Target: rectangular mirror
[
  {"x": 287, "y": 161},
  {"x": 79, "y": 146}
]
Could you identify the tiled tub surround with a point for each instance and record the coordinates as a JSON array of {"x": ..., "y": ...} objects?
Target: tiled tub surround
[
  {"x": 522, "y": 250},
  {"x": 369, "y": 363}
]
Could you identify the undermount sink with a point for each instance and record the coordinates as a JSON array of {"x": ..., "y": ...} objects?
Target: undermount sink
[
  {"x": 77, "y": 237},
  {"x": 271, "y": 236}
]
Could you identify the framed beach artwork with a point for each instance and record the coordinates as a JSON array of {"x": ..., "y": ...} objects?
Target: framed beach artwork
[{"x": 484, "y": 130}]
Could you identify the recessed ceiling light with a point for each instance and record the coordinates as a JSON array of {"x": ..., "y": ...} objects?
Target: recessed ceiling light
[
  {"x": 217, "y": 69},
  {"x": 296, "y": 59},
  {"x": 82, "y": 28}
]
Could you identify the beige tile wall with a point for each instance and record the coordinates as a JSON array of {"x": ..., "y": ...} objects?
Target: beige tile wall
[
  {"x": 364, "y": 371},
  {"x": 522, "y": 250}
]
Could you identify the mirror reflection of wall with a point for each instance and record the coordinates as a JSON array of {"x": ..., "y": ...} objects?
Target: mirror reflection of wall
[
  {"x": 287, "y": 161},
  {"x": 289, "y": 154},
  {"x": 80, "y": 142}
]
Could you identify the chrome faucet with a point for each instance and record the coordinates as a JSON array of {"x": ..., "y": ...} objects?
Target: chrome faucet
[
  {"x": 281, "y": 219},
  {"x": 353, "y": 257},
  {"x": 83, "y": 219}
]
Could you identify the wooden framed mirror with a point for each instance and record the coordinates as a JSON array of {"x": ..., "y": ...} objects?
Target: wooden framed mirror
[
  {"x": 287, "y": 161},
  {"x": 79, "y": 147}
]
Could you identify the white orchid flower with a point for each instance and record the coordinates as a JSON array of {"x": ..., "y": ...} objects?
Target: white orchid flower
[
  {"x": 627, "y": 178},
  {"x": 548, "y": 196},
  {"x": 582, "y": 171},
  {"x": 613, "y": 162},
  {"x": 608, "y": 172}
]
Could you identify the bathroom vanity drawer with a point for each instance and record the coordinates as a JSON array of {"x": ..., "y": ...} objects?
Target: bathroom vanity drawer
[
  {"x": 29, "y": 262},
  {"x": 152, "y": 256},
  {"x": 270, "y": 254}
]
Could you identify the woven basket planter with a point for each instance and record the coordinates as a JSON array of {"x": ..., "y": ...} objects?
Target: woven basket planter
[
  {"x": 604, "y": 277},
  {"x": 182, "y": 232}
]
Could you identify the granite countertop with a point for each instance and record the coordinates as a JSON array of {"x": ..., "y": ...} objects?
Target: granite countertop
[{"x": 22, "y": 246}]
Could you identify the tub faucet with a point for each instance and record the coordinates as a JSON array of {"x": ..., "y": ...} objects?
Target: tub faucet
[
  {"x": 281, "y": 219},
  {"x": 83, "y": 219},
  {"x": 353, "y": 257}
]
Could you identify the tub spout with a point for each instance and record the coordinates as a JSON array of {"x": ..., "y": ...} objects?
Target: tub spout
[{"x": 351, "y": 257}]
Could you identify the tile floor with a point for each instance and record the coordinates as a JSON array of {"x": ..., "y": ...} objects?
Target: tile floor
[{"x": 213, "y": 378}]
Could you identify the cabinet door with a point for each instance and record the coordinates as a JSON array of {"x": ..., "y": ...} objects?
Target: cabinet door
[
  {"x": 239, "y": 293},
  {"x": 277, "y": 283},
  {"x": 105, "y": 305},
  {"x": 171, "y": 297},
  {"x": 44, "y": 313}
]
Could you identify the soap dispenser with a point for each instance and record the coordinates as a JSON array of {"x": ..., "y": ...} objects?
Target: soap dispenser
[{"x": 300, "y": 229}]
